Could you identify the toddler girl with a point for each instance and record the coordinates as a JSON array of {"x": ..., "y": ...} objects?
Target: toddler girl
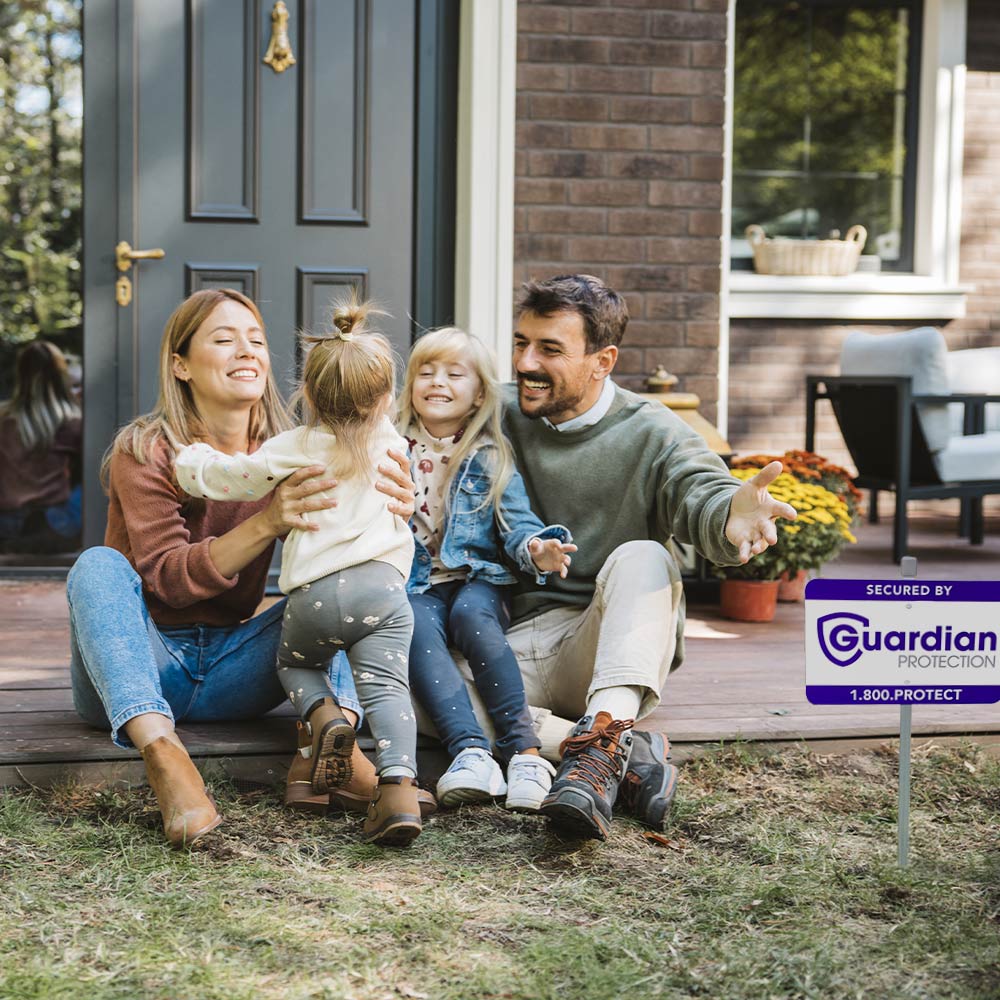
[
  {"x": 344, "y": 577},
  {"x": 470, "y": 501}
]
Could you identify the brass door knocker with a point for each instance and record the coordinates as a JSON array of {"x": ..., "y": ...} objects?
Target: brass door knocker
[{"x": 279, "y": 50}]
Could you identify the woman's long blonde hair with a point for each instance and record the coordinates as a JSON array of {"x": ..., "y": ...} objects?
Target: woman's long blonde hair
[
  {"x": 43, "y": 399},
  {"x": 450, "y": 344},
  {"x": 348, "y": 384},
  {"x": 175, "y": 418}
]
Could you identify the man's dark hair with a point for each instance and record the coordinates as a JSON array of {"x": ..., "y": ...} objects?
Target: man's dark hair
[{"x": 603, "y": 310}]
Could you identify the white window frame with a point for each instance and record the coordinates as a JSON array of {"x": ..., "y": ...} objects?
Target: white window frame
[{"x": 933, "y": 290}]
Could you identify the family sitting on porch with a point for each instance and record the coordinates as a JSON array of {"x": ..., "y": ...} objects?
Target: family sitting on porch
[{"x": 162, "y": 617}]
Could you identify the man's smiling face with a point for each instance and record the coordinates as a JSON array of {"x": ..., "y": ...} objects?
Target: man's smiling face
[{"x": 556, "y": 377}]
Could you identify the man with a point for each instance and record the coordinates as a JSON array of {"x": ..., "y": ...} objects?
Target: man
[{"x": 625, "y": 475}]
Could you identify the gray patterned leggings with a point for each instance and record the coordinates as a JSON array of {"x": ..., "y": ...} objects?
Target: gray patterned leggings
[{"x": 364, "y": 612}]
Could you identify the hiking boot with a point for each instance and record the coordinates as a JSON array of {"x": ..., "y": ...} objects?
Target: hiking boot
[
  {"x": 594, "y": 759},
  {"x": 394, "y": 813},
  {"x": 352, "y": 797},
  {"x": 332, "y": 747},
  {"x": 529, "y": 778},
  {"x": 650, "y": 780},
  {"x": 473, "y": 776}
]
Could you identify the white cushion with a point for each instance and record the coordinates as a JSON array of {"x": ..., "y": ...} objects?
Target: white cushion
[
  {"x": 922, "y": 355},
  {"x": 974, "y": 370},
  {"x": 976, "y": 457}
]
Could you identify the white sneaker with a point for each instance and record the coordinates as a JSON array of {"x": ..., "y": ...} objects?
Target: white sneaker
[
  {"x": 473, "y": 776},
  {"x": 529, "y": 778}
]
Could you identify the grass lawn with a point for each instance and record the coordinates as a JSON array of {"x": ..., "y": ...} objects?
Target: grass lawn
[{"x": 778, "y": 879}]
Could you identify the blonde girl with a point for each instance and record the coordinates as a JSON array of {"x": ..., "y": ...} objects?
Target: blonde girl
[
  {"x": 344, "y": 581},
  {"x": 471, "y": 504}
]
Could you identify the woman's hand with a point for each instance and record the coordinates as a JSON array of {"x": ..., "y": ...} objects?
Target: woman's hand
[
  {"x": 296, "y": 496},
  {"x": 400, "y": 486}
]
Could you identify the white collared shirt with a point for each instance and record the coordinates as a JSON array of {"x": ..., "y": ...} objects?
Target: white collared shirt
[{"x": 591, "y": 416}]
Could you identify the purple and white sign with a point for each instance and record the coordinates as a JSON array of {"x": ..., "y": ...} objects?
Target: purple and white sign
[{"x": 902, "y": 642}]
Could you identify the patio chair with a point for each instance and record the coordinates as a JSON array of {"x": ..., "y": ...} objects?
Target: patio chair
[{"x": 892, "y": 401}]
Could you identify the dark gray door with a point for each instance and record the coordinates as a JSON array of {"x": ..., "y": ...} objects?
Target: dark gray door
[{"x": 291, "y": 186}]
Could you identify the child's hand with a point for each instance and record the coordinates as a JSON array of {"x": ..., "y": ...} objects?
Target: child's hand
[{"x": 551, "y": 555}]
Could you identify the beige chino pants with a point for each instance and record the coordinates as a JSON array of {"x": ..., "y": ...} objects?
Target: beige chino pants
[{"x": 626, "y": 636}]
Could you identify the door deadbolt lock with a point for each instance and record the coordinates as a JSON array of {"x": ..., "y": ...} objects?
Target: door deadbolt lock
[
  {"x": 124, "y": 256},
  {"x": 123, "y": 291}
]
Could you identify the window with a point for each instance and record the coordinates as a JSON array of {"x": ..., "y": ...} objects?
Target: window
[{"x": 825, "y": 115}]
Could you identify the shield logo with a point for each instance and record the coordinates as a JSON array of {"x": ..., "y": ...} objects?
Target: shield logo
[{"x": 840, "y": 637}]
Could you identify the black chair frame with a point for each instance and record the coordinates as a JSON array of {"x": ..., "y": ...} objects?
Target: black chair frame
[{"x": 878, "y": 419}]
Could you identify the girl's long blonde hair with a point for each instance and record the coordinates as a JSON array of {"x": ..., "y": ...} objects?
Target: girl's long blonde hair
[
  {"x": 43, "y": 399},
  {"x": 348, "y": 383},
  {"x": 450, "y": 344},
  {"x": 175, "y": 418}
]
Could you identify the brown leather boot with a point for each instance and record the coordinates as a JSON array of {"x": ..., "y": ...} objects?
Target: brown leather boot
[
  {"x": 333, "y": 741},
  {"x": 187, "y": 809},
  {"x": 394, "y": 814},
  {"x": 299, "y": 793}
]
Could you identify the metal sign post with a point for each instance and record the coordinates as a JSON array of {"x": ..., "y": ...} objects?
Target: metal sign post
[{"x": 902, "y": 642}]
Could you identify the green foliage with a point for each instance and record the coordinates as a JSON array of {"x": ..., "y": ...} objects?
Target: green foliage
[{"x": 40, "y": 174}]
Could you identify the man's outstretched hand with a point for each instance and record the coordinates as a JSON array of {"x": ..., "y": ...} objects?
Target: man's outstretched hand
[
  {"x": 551, "y": 555},
  {"x": 751, "y": 515}
]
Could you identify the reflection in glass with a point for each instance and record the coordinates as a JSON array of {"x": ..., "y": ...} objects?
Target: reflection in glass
[
  {"x": 825, "y": 121},
  {"x": 41, "y": 112}
]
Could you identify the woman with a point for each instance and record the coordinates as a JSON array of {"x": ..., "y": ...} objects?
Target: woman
[
  {"x": 40, "y": 453},
  {"x": 160, "y": 617}
]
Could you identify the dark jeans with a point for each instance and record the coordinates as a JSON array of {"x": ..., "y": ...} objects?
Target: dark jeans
[{"x": 472, "y": 616}]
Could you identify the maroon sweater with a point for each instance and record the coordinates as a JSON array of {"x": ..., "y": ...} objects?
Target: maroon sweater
[{"x": 165, "y": 536}]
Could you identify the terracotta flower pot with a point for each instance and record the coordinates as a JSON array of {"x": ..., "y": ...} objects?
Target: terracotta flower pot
[
  {"x": 748, "y": 600},
  {"x": 792, "y": 586}
]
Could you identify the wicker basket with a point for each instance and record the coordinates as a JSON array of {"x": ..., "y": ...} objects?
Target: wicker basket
[{"x": 787, "y": 256}]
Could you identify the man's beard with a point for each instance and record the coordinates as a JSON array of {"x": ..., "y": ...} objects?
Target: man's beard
[{"x": 556, "y": 405}]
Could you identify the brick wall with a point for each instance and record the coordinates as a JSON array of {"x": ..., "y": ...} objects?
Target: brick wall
[{"x": 619, "y": 167}]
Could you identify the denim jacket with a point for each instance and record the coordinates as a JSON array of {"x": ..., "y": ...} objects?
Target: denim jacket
[{"x": 472, "y": 535}]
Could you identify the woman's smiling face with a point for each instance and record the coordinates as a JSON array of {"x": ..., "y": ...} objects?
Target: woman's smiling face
[{"x": 226, "y": 362}]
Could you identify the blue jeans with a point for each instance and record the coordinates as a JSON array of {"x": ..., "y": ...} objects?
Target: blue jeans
[
  {"x": 472, "y": 616},
  {"x": 122, "y": 665}
]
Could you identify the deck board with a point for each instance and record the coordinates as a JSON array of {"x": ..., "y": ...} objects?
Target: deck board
[{"x": 739, "y": 681}]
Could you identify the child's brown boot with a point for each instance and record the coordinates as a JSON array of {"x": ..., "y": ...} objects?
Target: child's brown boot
[
  {"x": 332, "y": 742},
  {"x": 394, "y": 814}
]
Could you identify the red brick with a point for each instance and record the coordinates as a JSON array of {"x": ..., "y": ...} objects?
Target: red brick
[
  {"x": 546, "y": 164},
  {"x": 538, "y": 18},
  {"x": 711, "y": 54},
  {"x": 693, "y": 194},
  {"x": 631, "y": 361},
  {"x": 683, "y": 250},
  {"x": 686, "y": 138},
  {"x": 646, "y": 279},
  {"x": 650, "y": 333},
  {"x": 542, "y": 134},
  {"x": 609, "y": 249},
  {"x": 539, "y": 191},
  {"x": 536, "y": 246},
  {"x": 648, "y": 222},
  {"x": 587, "y": 192},
  {"x": 542, "y": 76},
  {"x": 666, "y": 306},
  {"x": 651, "y": 109},
  {"x": 655, "y": 4},
  {"x": 520, "y": 163},
  {"x": 705, "y": 279},
  {"x": 567, "y": 220},
  {"x": 608, "y": 137},
  {"x": 683, "y": 25},
  {"x": 647, "y": 165},
  {"x": 647, "y": 53},
  {"x": 719, "y": 5},
  {"x": 708, "y": 110},
  {"x": 610, "y": 79},
  {"x": 610, "y": 22},
  {"x": 520, "y": 220},
  {"x": 539, "y": 48},
  {"x": 704, "y": 223},
  {"x": 685, "y": 360},
  {"x": 707, "y": 168},
  {"x": 695, "y": 306},
  {"x": 688, "y": 82},
  {"x": 701, "y": 334},
  {"x": 568, "y": 107}
]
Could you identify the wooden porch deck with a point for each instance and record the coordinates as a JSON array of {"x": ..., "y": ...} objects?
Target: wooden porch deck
[{"x": 739, "y": 681}]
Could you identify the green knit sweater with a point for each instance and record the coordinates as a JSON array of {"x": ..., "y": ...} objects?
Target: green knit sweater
[{"x": 639, "y": 473}]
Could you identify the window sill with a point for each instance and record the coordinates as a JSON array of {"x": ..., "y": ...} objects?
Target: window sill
[{"x": 853, "y": 296}]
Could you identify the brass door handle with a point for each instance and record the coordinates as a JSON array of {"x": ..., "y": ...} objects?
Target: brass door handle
[{"x": 124, "y": 255}]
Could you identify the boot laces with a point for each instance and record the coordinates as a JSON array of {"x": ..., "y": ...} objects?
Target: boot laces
[{"x": 598, "y": 754}]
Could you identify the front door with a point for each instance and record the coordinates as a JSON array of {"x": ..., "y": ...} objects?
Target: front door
[{"x": 269, "y": 147}]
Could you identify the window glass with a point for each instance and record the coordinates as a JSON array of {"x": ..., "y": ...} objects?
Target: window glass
[{"x": 824, "y": 122}]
